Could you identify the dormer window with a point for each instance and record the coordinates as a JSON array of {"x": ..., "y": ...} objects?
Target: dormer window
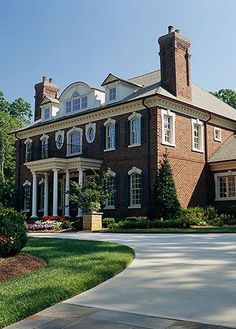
[
  {"x": 76, "y": 104},
  {"x": 68, "y": 107},
  {"x": 112, "y": 94},
  {"x": 46, "y": 113},
  {"x": 84, "y": 102}
]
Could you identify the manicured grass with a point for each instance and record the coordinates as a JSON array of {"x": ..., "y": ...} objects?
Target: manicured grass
[
  {"x": 73, "y": 266},
  {"x": 226, "y": 229}
]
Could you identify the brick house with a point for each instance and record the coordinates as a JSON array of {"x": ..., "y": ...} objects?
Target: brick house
[{"x": 125, "y": 126}]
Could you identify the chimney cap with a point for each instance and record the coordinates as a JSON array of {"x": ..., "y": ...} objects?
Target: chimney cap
[
  {"x": 45, "y": 78},
  {"x": 51, "y": 80},
  {"x": 171, "y": 29},
  {"x": 177, "y": 30}
]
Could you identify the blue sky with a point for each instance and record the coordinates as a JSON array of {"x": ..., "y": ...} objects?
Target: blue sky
[{"x": 84, "y": 40}]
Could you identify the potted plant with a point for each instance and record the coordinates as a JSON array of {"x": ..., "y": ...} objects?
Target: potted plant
[{"x": 91, "y": 198}]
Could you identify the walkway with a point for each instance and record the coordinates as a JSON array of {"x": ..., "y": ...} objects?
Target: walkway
[{"x": 185, "y": 277}]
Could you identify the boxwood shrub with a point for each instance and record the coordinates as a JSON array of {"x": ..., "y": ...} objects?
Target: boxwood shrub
[{"x": 13, "y": 232}]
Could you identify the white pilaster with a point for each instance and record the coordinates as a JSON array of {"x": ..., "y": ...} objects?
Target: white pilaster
[
  {"x": 80, "y": 181},
  {"x": 67, "y": 196},
  {"x": 55, "y": 191},
  {"x": 45, "y": 206},
  {"x": 34, "y": 195}
]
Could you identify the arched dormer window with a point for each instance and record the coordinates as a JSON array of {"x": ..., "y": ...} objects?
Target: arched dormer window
[
  {"x": 74, "y": 141},
  {"x": 77, "y": 102},
  {"x": 44, "y": 146},
  {"x": 27, "y": 196}
]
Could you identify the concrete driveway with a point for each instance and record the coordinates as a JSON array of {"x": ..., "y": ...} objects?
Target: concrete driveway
[{"x": 187, "y": 277}]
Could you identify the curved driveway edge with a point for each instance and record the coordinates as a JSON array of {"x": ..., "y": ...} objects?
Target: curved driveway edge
[{"x": 186, "y": 277}]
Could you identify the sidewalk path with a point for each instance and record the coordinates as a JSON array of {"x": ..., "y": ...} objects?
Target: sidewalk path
[{"x": 186, "y": 277}]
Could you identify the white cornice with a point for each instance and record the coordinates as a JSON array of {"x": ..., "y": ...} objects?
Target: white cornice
[{"x": 222, "y": 166}]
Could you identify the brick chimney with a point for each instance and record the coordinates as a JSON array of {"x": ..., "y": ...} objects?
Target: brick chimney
[
  {"x": 44, "y": 88},
  {"x": 175, "y": 66}
]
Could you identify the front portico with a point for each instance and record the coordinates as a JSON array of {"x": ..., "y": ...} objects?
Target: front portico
[{"x": 56, "y": 174}]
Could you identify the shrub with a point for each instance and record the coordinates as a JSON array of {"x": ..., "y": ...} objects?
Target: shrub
[
  {"x": 13, "y": 236},
  {"x": 66, "y": 225},
  {"x": 228, "y": 219},
  {"x": 77, "y": 225},
  {"x": 106, "y": 222},
  {"x": 175, "y": 223},
  {"x": 193, "y": 216}
]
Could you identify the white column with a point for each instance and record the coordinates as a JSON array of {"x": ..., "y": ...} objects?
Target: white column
[
  {"x": 34, "y": 195},
  {"x": 55, "y": 191},
  {"x": 80, "y": 181},
  {"x": 45, "y": 206},
  {"x": 67, "y": 196}
]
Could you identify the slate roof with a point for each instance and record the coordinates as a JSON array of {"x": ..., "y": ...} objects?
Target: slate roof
[{"x": 226, "y": 152}]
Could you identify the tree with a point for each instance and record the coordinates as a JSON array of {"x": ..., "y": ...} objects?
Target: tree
[
  {"x": 226, "y": 95},
  {"x": 12, "y": 116},
  {"x": 164, "y": 203}
]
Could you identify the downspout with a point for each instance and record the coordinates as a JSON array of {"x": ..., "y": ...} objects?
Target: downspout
[
  {"x": 206, "y": 154},
  {"x": 20, "y": 148},
  {"x": 148, "y": 146}
]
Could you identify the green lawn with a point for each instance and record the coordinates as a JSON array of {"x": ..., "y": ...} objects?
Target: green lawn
[
  {"x": 226, "y": 229},
  {"x": 73, "y": 266}
]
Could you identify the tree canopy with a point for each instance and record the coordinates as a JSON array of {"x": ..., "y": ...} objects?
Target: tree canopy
[
  {"x": 226, "y": 95},
  {"x": 12, "y": 116}
]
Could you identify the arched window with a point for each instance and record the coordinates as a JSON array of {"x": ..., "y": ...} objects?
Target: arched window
[
  {"x": 28, "y": 149},
  {"x": 27, "y": 196},
  {"x": 74, "y": 139},
  {"x": 135, "y": 132},
  {"x": 110, "y": 136},
  {"x": 111, "y": 185},
  {"x": 135, "y": 187},
  {"x": 44, "y": 146}
]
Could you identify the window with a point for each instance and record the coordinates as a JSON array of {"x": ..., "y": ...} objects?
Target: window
[
  {"x": 90, "y": 132},
  {"x": 44, "y": 146},
  {"x": 168, "y": 127},
  {"x": 197, "y": 135},
  {"x": 110, "y": 136},
  {"x": 225, "y": 186},
  {"x": 28, "y": 150},
  {"x": 135, "y": 187},
  {"x": 112, "y": 94},
  {"x": 46, "y": 113},
  {"x": 59, "y": 139},
  {"x": 135, "y": 131},
  {"x": 74, "y": 140},
  {"x": 217, "y": 134},
  {"x": 68, "y": 107},
  {"x": 84, "y": 102},
  {"x": 27, "y": 196},
  {"x": 111, "y": 187},
  {"x": 76, "y": 104}
]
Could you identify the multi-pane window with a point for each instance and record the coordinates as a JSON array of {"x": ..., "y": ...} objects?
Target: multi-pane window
[
  {"x": 28, "y": 151},
  {"x": 74, "y": 142},
  {"x": 84, "y": 102},
  {"x": 110, "y": 136},
  {"x": 76, "y": 104},
  {"x": 27, "y": 197},
  {"x": 111, "y": 188},
  {"x": 226, "y": 187},
  {"x": 68, "y": 107},
  {"x": 135, "y": 131},
  {"x": 197, "y": 135},
  {"x": 112, "y": 94},
  {"x": 135, "y": 189},
  {"x": 217, "y": 134},
  {"x": 168, "y": 128},
  {"x": 46, "y": 113},
  {"x": 44, "y": 149}
]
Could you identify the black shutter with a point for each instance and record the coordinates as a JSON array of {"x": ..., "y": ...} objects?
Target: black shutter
[
  {"x": 117, "y": 134},
  {"x": 143, "y": 188},
  {"x": 33, "y": 152},
  {"x": 127, "y": 190},
  {"x": 127, "y": 132},
  {"x": 117, "y": 191},
  {"x": 22, "y": 155},
  {"x": 143, "y": 129},
  {"x": 103, "y": 137}
]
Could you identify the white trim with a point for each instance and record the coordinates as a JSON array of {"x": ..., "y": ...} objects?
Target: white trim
[
  {"x": 134, "y": 115},
  {"x": 110, "y": 149},
  {"x": 80, "y": 130},
  {"x": 135, "y": 206},
  {"x": 134, "y": 170},
  {"x": 109, "y": 121},
  {"x": 44, "y": 137},
  {"x": 217, "y": 189},
  {"x": 26, "y": 183},
  {"x": 59, "y": 133},
  {"x": 111, "y": 173},
  {"x": 201, "y": 124},
  {"x": 220, "y": 131},
  {"x": 41, "y": 181},
  {"x": 28, "y": 141},
  {"x": 109, "y": 208},
  {"x": 87, "y": 127},
  {"x": 171, "y": 115}
]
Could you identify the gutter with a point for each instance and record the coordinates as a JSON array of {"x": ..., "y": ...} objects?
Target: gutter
[{"x": 206, "y": 154}]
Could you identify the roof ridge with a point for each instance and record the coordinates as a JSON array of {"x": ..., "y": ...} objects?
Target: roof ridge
[{"x": 141, "y": 75}]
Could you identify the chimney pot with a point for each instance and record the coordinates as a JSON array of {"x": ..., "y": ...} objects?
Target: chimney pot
[
  {"x": 177, "y": 31},
  {"x": 51, "y": 80},
  {"x": 171, "y": 29},
  {"x": 44, "y": 78}
]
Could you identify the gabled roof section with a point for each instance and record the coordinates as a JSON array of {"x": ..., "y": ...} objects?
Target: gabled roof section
[
  {"x": 113, "y": 78},
  {"x": 48, "y": 99},
  {"x": 226, "y": 152}
]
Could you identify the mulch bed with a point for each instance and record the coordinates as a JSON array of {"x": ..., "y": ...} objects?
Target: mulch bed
[{"x": 19, "y": 265}]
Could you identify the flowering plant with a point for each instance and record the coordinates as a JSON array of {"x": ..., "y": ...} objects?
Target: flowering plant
[
  {"x": 55, "y": 218},
  {"x": 46, "y": 225}
]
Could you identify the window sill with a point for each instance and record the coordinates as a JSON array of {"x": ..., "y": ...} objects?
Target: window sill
[
  {"x": 197, "y": 150},
  {"x": 109, "y": 208},
  {"x": 73, "y": 154},
  {"x": 134, "y": 145},
  {"x": 226, "y": 199},
  {"x": 168, "y": 144},
  {"x": 136, "y": 206},
  {"x": 111, "y": 149},
  {"x": 217, "y": 140}
]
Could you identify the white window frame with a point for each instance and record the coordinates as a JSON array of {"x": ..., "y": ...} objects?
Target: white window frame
[
  {"x": 171, "y": 115},
  {"x": 217, "y": 139},
  {"x": 26, "y": 184},
  {"x": 44, "y": 113},
  {"x": 27, "y": 142},
  {"x": 71, "y": 131},
  {"x": 57, "y": 134},
  {"x": 132, "y": 171},
  {"x": 111, "y": 174},
  {"x": 76, "y": 97},
  {"x": 111, "y": 93},
  {"x": 199, "y": 123},
  {"x": 44, "y": 139},
  {"x": 131, "y": 118},
  {"x": 217, "y": 185},
  {"x": 110, "y": 122},
  {"x": 87, "y": 129}
]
